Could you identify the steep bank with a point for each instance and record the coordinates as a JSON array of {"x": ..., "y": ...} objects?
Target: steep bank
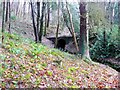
[{"x": 26, "y": 64}]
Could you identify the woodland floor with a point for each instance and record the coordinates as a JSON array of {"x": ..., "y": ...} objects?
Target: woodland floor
[
  {"x": 23, "y": 66},
  {"x": 25, "y": 29},
  {"x": 26, "y": 64}
]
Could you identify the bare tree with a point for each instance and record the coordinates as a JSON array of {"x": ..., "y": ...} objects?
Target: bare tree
[
  {"x": 6, "y": 17},
  {"x": 83, "y": 41},
  {"x": 38, "y": 16},
  {"x": 72, "y": 27},
  {"x": 104, "y": 32},
  {"x": 41, "y": 21},
  {"x": 56, "y": 40},
  {"x": 3, "y": 24},
  {"x": 111, "y": 14},
  {"x": 45, "y": 23},
  {"x": 9, "y": 16},
  {"x": 65, "y": 19},
  {"x": 119, "y": 23},
  {"x": 24, "y": 8},
  {"x": 33, "y": 20},
  {"x": 17, "y": 9},
  {"x": 48, "y": 11}
]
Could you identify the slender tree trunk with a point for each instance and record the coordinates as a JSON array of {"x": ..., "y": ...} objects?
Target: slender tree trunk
[
  {"x": 9, "y": 17},
  {"x": 14, "y": 5},
  {"x": 111, "y": 11},
  {"x": 41, "y": 22},
  {"x": 3, "y": 26},
  {"x": 38, "y": 16},
  {"x": 24, "y": 8},
  {"x": 45, "y": 24},
  {"x": 6, "y": 17},
  {"x": 65, "y": 20},
  {"x": 46, "y": 20},
  {"x": 104, "y": 38},
  {"x": 72, "y": 27},
  {"x": 83, "y": 41},
  {"x": 29, "y": 8},
  {"x": 48, "y": 16},
  {"x": 17, "y": 9},
  {"x": 56, "y": 39},
  {"x": 111, "y": 19},
  {"x": 33, "y": 20},
  {"x": 119, "y": 23},
  {"x": 104, "y": 32}
]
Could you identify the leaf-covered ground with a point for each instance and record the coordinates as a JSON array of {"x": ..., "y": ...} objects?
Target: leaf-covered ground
[{"x": 26, "y": 64}]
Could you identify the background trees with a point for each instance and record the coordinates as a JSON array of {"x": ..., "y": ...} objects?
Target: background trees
[{"x": 31, "y": 30}]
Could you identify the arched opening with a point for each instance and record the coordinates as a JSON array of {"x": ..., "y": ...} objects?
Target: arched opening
[{"x": 61, "y": 44}]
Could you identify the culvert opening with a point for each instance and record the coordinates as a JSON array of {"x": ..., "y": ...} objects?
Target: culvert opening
[{"x": 61, "y": 44}]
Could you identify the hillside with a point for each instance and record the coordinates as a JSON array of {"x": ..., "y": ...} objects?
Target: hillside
[{"x": 25, "y": 64}]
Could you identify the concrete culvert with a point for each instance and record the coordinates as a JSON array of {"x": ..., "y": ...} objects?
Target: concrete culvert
[{"x": 61, "y": 44}]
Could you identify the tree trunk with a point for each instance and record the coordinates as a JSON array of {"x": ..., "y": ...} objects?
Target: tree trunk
[
  {"x": 72, "y": 28},
  {"x": 6, "y": 17},
  {"x": 65, "y": 20},
  {"x": 83, "y": 41},
  {"x": 111, "y": 16},
  {"x": 9, "y": 17},
  {"x": 38, "y": 17},
  {"x": 3, "y": 26},
  {"x": 48, "y": 11},
  {"x": 33, "y": 20},
  {"x": 104, "y": 32},
  {"x": 56, "y": 39},
  {"x": 24, "y": 8},
  {"x": 41, "y": 21},
  {"x": 111, "y": 12},
  {"x": 29, "y": 8},
  {"x": 45, "y": 24},
  {"x": 119, "y": 23},
  {"x": 104, "y": 39},
  {"x": 17, "y": 9}
]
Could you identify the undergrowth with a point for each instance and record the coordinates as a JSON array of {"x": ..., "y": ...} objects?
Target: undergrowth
[
  {"x": 25, "y": 64},
  {"x": 23, "y": 46}
]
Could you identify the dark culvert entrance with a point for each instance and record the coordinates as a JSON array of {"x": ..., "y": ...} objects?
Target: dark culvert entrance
[{"x": 61, "y": 44}]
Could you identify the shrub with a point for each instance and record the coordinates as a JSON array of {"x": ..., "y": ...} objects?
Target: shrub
[{"x": 108, "y": 49}]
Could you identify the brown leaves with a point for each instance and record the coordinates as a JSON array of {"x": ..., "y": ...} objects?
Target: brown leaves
[{"x": 26, "y": 71}]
